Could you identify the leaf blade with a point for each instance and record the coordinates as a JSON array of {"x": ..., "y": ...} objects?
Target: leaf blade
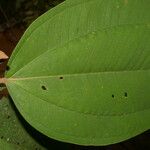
[{"x": 90, "y": 77}]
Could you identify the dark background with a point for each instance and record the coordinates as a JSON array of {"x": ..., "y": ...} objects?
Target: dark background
[{"x": 15, "y": 17}]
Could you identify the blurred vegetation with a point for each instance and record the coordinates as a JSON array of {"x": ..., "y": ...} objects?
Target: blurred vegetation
[
  {"x": 23, "y": 12},
  {"x": 12, "y": 130}
]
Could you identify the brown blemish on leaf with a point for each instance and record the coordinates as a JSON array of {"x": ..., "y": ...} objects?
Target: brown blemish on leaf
[
  {"x": 148, "y": 25},
  {"x": 3, "y": 55},
  {"x": 126, "y": 2}
]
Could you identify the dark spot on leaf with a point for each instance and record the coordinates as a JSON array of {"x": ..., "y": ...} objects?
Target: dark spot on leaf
[
  {"x": 2, "y": 137},
  {"x": 61, "y": 78},
  {"x": 7, "y": 68},
  {"x": 112, "y": 95},
  {"x": 126, "y": 94},
  {"x": 18, "y": 143},
  {"x": 8, "y": 117},
  {"x": 43, "y": 87}
]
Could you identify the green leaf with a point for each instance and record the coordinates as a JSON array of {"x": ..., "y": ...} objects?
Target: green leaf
[
  {"x": 81, "y": 72},
  {"x": 5, "y": 146},
  {"x": 12, "y": 130}
]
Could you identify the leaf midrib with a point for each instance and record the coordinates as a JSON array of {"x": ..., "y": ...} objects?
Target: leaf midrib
[{"x": 76, "y": 74}]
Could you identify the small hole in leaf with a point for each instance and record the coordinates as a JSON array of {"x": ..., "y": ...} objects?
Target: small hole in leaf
[
  {"x": 7, "y": 68},
  {"x": 43, "y": 87},
  {"x": 112, "y": 95},
  {"x": 126, "y": 94},
  {"x": 61, "y": 78}
]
